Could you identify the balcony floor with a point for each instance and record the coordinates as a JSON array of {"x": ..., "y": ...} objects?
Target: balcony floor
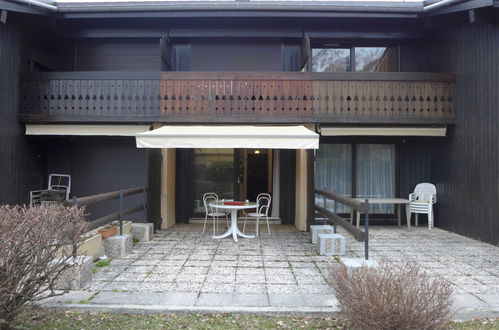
[{"x": 181, "y": 270}]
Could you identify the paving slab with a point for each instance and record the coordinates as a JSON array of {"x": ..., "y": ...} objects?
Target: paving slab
[
  {"x": 72, "y": 297},
  {"x": 215, "y": 299},
  {"x": 286, "y": 299},
  {"x": 250, "y": 299}
]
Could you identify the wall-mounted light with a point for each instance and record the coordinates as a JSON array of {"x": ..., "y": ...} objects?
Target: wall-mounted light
[{"x": 257, "y": 151}]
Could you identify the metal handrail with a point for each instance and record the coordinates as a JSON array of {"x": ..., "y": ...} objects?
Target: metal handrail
[
  {"x": 353, "y": 203},
  {"x": 122, "y": 212},
  {"x": 359, "y": 235}
]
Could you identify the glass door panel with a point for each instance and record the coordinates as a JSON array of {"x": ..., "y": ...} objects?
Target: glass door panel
[
  {"x": 331, "y": 60},
  {"x": 375, "y": 171},
  {"x": 214, "y": 171},
  {"x": 333, "y": 172}
]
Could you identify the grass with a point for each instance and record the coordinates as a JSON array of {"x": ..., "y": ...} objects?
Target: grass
[
  {"x": 100, "y": 264},
  {"x": 135, "y": 240},
  {"x": 57, "y": 319}
]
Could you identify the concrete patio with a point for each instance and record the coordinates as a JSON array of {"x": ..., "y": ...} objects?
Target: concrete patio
[{"x": 182, "y": 270}]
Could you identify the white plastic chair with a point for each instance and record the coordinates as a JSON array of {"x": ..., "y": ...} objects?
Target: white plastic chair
[
  {"x": 422, "y": 200},
  {"x": 262, "y": 210},
  {"x": 208, "y": 199}
]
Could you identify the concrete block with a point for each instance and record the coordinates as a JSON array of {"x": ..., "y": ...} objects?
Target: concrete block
[
  {"x": 331, "y": 244},
  {"x": 143, "y": 231},
  {"x": 317, "y": 229},
  {"x": 118, "y": 246},
  {"x": 77, "y": 276}
]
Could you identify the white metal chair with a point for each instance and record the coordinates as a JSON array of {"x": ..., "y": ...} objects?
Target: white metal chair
[
  {"x": 57, "y": 182},
  {"x": 208, "y": 199},
  {"x": 257, "y": 198},
  {"x": 262, "y": 210},
  {"x": 60, "y": 182},
  {"x": 422, "y": 200}
]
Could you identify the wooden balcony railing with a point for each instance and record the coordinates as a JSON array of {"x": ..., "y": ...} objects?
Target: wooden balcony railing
[{"x": 233, "y": 97}]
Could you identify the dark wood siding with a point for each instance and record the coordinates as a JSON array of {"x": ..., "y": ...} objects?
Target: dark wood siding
[
  {"x": 117, "y": 55},
  {"x": 235, "y": 56},
  {"x": 19, "y": 164},
  {"x": 414, "y": 165},
  {"x": 466, "y": 165}
]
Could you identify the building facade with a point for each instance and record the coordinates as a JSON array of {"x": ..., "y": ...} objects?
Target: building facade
[{"x": 400, "y": 93}]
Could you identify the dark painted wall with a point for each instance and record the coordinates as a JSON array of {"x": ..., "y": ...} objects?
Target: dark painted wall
[
  {"x": 234, "y": 55},
  {"x": 465, "y": 166},
  {"x": 117, "y": 55},
  {"x": 19, "y": 164}
]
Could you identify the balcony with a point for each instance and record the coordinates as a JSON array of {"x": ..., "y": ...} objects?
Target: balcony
[{"x": 240, "y": 97}]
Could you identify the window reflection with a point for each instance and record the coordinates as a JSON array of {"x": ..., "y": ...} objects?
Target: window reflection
[
  {"x": 376, "y": 59},
  {"x": 330, "y": 60},
  {"x": 367, "y": 59}
]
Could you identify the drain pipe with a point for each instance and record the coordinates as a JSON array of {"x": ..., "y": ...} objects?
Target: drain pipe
[
  {"x": 47, "y": 4},
  {"x": 441, "y": 3}
]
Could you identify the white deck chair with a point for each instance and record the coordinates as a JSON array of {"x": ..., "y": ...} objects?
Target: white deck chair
[
  {"x": 209, "y": 198},
  {"x": 422, "y": 200}
]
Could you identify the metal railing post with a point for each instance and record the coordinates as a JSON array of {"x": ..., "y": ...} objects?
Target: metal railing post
[
  {"x": 325, "y": 218},
  {"x": 121, "y": 212},
  {"x": 366, "y": 225}
]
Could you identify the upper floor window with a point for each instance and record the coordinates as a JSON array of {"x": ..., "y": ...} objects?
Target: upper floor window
[
  {"x": 360, "y": 59},
  {"x": 331, "y": 60}
]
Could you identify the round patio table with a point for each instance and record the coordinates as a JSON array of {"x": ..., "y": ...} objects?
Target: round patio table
[{"x": 233, "y": 207}]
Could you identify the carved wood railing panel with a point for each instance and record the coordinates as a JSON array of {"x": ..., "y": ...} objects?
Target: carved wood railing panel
[{"x": 158, "y": 95}]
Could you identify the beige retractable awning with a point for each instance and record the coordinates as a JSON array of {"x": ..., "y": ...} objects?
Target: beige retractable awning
[
  {"x": 265, "y": 137},
  {"x": 87, "y": 130},
  {"x": 383, "y": 131}
]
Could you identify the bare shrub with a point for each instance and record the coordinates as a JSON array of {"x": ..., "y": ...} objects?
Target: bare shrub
[
  {"x": 392, "y": 296},
  {"x": 36, "y": 246}
]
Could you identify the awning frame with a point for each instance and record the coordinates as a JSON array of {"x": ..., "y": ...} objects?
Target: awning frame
[
  {"x": 85, "y": 130},
  {"x": 229, "y": 136},
  {"x": 383, "y": 131}
]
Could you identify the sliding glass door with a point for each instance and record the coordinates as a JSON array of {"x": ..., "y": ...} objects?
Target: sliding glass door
[
  {"x": 236, "y": 174},
  {"x": 357, "y": 170}
]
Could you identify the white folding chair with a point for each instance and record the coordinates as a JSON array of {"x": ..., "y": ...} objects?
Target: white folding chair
[
  {"x": 208, "y": 199},
  {"x": 262, "y": 210},
  {"x": 422, "y": 200}
]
